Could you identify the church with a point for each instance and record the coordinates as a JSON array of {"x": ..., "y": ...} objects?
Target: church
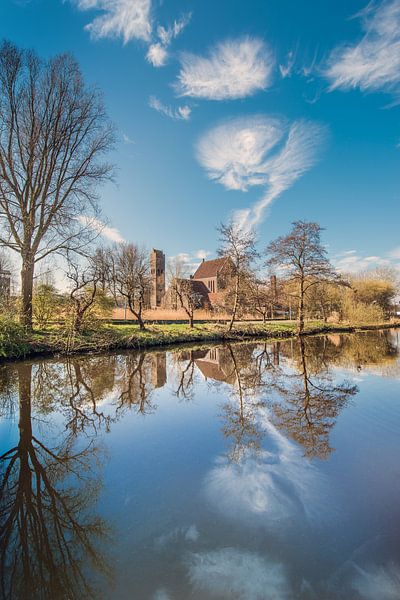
[{"x": 209, "y": 282}]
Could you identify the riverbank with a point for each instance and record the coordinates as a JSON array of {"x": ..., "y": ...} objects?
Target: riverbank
[{"x": 54, "y": 341}]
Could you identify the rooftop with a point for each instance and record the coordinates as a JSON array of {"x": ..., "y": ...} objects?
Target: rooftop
[{"x": 209, "y": 268}]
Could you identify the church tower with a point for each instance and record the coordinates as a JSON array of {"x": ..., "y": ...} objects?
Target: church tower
[{"x": 157, "y": 270}]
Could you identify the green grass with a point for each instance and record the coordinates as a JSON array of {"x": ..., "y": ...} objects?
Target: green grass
[{"x": 113, "y": 337}]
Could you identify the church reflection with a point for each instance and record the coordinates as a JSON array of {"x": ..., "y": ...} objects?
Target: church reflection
[{"x": 278, "y": 403}]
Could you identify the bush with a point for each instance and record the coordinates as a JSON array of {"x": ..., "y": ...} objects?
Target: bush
[
  {"x": 358, "y": 312},
  {"x": 13, "y": 342},
  {"x": 47, "y": 304}
]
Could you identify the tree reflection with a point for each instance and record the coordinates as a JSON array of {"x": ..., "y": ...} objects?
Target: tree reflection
[
  {"x": 185, "y": 381},
  {"x": 139, "y": 374},
  {"x": 310, "y": 403},
  {"x": 241, "y": 425},
  {"x": 46, "y": 533}
]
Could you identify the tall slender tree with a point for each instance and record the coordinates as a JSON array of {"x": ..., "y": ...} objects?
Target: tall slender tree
[
  {"x": 54, "y": 133},
  {"x": 239, "y": 246},
  {"x": 130, "y": 278},
  {"x": 303, "y": 260}
]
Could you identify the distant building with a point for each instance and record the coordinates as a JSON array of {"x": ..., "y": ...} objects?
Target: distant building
[
  {"x": 213, "y": 274},
  {"x": 157, "y": 272},
  {"x": 5, "y": 286},
  {"x": 158, "y": 369},
  {"x": 209, "y": 283}
]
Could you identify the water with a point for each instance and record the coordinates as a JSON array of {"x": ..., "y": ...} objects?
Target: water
[{"x": 248, "y": 471}]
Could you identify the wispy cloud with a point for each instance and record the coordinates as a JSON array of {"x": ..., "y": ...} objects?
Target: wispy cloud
[
  {"x": 233, "y": 69},
  {"x": 374, "y": 62},
  {"x": 259, "y": 151},
  {"x": 187, "y": 261},
  {"x": 287, "y": 68},
  {"x": 351, "y": 261},
  {"x": 132, "y": 19},
  {"x": 181, "y": 113},
  {"x": 110, "y": 233},
  {"x": 126, "y": 139},
  {"x": 158, "y": 53},
  {"x": 126, "y": 19}
]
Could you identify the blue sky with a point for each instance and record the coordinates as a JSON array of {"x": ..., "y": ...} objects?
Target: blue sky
[{"x": 268, "y": 111}]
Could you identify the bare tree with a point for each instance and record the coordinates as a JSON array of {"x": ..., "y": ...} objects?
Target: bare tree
[
  {"x": 130, "y": 277},
  {"x": 303, "y": 258},
  {"x": 183, "y": 289},
  {"x": 84, "y": 280},
  {"x": 260, "y": 297},
  {"x": 53, "y": 134},
  {"x": 239, "y": 247},
  {"x": 189, "y": 298}
]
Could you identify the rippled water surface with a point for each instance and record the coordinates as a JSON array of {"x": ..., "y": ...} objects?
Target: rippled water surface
[{"x": 247, "y": 471}]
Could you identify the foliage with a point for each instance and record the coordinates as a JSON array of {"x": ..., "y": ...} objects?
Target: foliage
[
  {"x": 13, "y": 339},
  {"x": 371, "y": 290},
  {"x": 355, "y": 311},
  {"x": 47, "y": 304}
]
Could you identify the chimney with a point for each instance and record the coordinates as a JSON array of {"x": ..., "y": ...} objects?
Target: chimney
[{"x": 273, "y": 286}]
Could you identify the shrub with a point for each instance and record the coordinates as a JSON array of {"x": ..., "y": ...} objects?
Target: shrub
[
  {"x": 13, "y": 342},
  {"x": 358, "y": 312}
]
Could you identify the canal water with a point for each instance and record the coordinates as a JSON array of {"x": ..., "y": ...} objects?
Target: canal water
[{"x": 251, "y": 471}]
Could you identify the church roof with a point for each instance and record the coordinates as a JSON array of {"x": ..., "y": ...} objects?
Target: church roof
[{"x": 209, "y": 268}]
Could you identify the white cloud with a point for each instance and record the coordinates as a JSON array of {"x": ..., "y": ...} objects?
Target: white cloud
[
  {"x": 373, "y": 63},
  {"x": 241, "y": 574},
  {"x": 181, "y": 113},
  {"x": 201, "y": 254},
  {"x": 286, "y": 69},
  {"x": 259, "y": 150},
  {"x": 189, "y": 261},
  {"x": 131, "y": 19},
  {"x": 111, "y": 233},
  {"x": 167, "y": 34},
  {"x": 351, "y": 261},
  {"x": 233, "y": 69},
  {"x": 126, "y": 19},
  {"x": 157, "y": 55}
]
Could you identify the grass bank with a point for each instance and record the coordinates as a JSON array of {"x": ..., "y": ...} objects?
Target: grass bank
[{"x": 54, "y": 341}]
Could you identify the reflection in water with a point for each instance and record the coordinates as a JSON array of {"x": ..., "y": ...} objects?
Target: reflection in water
[
  {"x": 45, "y": 537},
  {"x": 310, "y": 404},
  {"x": 245, "y": 574},
  {"x": 275, "y": 404}
]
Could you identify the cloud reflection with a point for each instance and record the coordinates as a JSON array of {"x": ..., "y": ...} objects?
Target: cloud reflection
[
  {"x": 276, "y": 483},
  {"x": 241, "y": 574}
]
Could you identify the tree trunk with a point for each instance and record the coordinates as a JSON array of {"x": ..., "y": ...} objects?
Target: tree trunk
[
  {"x": 27, "y": 291},
  {"x": 191, "y": 321},
  {"x": 235, "y": 304},
  {"x": 300, "y": 321},
  {"x": 78, "y": 321},
  {"x": 140, "y": 320}
]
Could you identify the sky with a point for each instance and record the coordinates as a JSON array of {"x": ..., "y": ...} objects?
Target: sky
[{"x": 264, "y": 112}]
